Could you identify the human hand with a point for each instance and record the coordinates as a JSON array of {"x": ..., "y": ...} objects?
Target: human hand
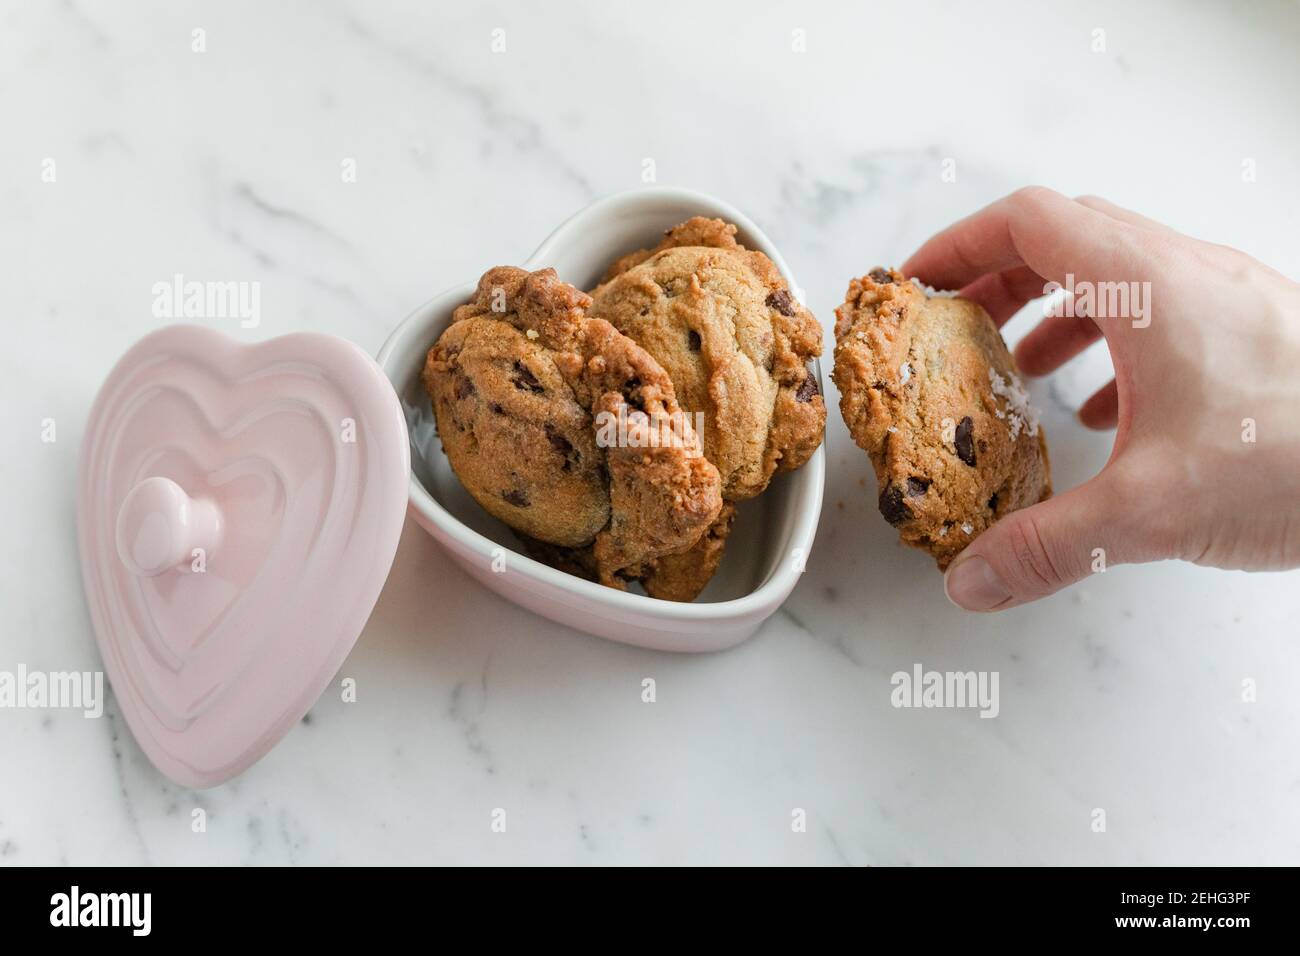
[{"x": 1205, "y": 399}]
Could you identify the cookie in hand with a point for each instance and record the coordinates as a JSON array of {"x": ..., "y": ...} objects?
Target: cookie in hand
[{"x": 929, "y": 390}]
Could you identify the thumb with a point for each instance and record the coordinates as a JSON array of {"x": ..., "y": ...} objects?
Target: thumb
[{"x": 1036, "y": 551}]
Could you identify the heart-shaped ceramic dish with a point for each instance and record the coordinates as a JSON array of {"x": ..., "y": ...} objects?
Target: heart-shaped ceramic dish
[
  {"x": 773, "y": 533},
  {"x": 238, "y": 510}
]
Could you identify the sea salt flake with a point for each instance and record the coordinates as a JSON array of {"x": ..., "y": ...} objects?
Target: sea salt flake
[
  {"x": 1019, "y": 415},
  {"x": 892, "y": 430},
  {"x": 905, "y": 372},
  {"x": 531, "y": 333},
  {"x": 967, "y": 527},
  {"x": 933, "y": 292}
]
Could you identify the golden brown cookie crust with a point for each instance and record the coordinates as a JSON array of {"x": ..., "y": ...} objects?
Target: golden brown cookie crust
[
  {"x": 673, "y": 577},
  {"x": 929, "y": 390},
  {"x": 721, "y": 321},
  {"x": 517, "y": 382},
  {"x": 682, "y": 576}
]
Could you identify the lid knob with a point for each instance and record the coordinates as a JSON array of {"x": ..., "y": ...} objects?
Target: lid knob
[{"x": 159, "y": 527}]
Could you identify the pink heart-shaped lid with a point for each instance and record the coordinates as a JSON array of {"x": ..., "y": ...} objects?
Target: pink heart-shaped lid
[{"x": 238, "y": 510}]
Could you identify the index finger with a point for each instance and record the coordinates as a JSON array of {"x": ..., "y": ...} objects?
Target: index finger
[{"x": 1034, "y": 227}]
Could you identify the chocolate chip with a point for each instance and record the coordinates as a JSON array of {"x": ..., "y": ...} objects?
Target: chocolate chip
[
  {"x": 780, "y": 300},
  {"x": 525, "y": 380},
  {"x": 892, "y": 505},
  {"x": 916, "y": 487},
  {"x": 633, "y": 401},
  {"x": 464, "y": 387},
  {"x": 993, "y": 502},
  {"x": 693, "y": 340},
  {"x": 807, "y": 389},
  {"x": 963, "y": 442},
  {"x": 560, "y": 444},
  {"x": 558, "y": 441},
  {"x": 882, "y": 276},
  {"x": 517, "y": 498}
]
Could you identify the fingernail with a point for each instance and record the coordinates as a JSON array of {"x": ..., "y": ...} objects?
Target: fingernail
[{"x": 973, "y": 585}]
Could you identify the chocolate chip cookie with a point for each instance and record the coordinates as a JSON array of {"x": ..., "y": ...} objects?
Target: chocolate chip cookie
[
  {"x": 721, "y": 321},
  {"x": 930, "y": 391},
  {"x": 519, "y": 382},
  {"x": 673, "y": 577}
]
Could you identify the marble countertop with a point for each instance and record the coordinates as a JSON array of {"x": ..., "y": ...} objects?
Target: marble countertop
[{"x": 831, "y": 128}]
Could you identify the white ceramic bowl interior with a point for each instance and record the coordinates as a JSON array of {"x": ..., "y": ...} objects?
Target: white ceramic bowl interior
[{"x": 773, "y": 533}]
